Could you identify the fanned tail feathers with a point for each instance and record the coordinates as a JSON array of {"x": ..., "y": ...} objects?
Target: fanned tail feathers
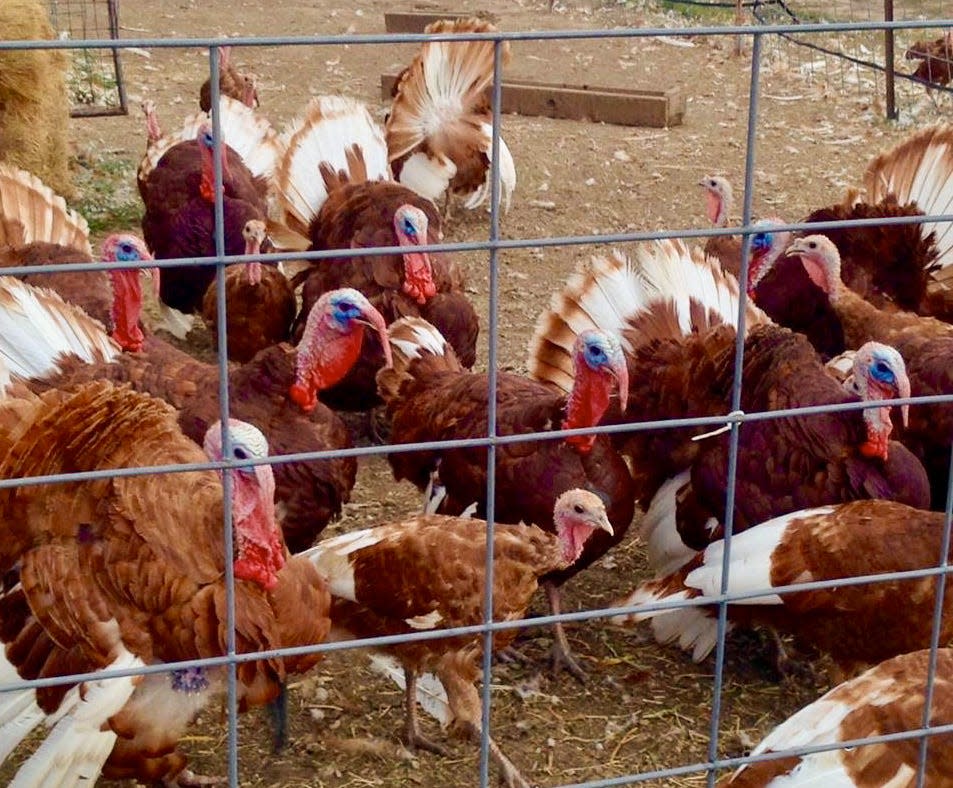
[
  {"x": 30, "y": 211},
  {"x": 690, "y": 291},
  {"x": 437, "y": 94},
  {"x": 37, "y": 327},
  {"x": 246, "y": 132},
  {"x": 340, "y": 134},
  {"x": 920, "y": 170},
  {"x": 414, "y": 341}
]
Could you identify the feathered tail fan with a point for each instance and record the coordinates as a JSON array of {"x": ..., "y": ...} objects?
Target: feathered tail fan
[
  {"x": 440, "y": 112},
  {"x": 246, "y": 132},
  {"x": 666, "y": 289},
  {"x": 417, "y": 348},
  {"x": 337, "y": 140},
  {"x": 920, "y": 170},
  {"x": 37, "y": 327},
  {"x": 30, "y": 211}
]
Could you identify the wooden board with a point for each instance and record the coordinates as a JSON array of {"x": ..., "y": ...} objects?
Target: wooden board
[
  {"x": 652, "y": 108},
  {"x": 416, "y": 21}
]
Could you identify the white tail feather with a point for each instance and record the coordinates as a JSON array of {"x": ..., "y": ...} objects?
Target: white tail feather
[
  {"x": 37, "y": 326},
  {"x": 246, "y": 132},
  {"x": 37, "y": 213},
  {"x": 175, "y": 322},
  {"x": 507, "y": 176},
  {"x": 666, "y": 551},
  {"x": 920, "y": 170},
  {"x": 330, "y": 127},
  {"x": 79, "y": 744},
  {"x": 430, "y": 692}
]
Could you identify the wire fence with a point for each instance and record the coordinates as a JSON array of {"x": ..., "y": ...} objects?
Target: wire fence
[{"x": 714, "y": 763}]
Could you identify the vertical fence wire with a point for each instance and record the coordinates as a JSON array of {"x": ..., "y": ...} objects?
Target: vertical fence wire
[{"x": 494, "y": 245}]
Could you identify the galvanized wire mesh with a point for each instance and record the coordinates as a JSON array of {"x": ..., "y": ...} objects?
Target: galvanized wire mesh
[
  {"x": 95, "y": 75},
  {"x": 494, "y": 243}
]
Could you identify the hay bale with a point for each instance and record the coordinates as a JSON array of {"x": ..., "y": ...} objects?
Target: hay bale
[{"x": 34, "y": 103}]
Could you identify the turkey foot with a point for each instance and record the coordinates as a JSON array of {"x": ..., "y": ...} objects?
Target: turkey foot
[
  {"x": 412, "y": 737},
  {"x": 561, "y": 656},
  {"x": 189, "y": 779}
]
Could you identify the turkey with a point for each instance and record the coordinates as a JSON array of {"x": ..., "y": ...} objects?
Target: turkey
[
  {"x": 719, "y": 201},
  {"x": 124, "y": 572},
  {"x": 856, "y": 624},
  {"x": 179, "y": 196},
  {"x": 430, "y": 396},
  {"x": 259, "y": 299},
  {"x": 440, "y": 128},
  {"x": 427, "y": 573},
  {"x": 936, "y": 60},
  {"x": 231, "y": 82},
  {"x": 886, "y": 700},
  {"x": 276, "y": 391},
  {"x": 676, "y": 313},
  {"x": 37, "y": 228},
  {"x": 925, "y": 343},
  {"x": 335, "y": 191}
]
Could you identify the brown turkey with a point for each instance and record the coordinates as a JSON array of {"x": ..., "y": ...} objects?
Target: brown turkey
[
  {"x": 430, "y": 396},
  {"x": 231, "y": 82},
  {"x": 925, "y": 343},
  {"x": 438, "y": 151},
  {"x": 37, "y": 228},
  {"x": 270, "y": 391},
  {"x": 177, "y": 186},
  {"x": 857, "y": 624},
  {"x": 335, "y": 192},
  {"x": 886, "y": 700},
  {"x": 428, "y": 573},
  {"x": 676, "y": 312},
  {"x": 124, "y": 572},
  {"x": 260, "y": 302},
  {"x": 936, "y": 60}
]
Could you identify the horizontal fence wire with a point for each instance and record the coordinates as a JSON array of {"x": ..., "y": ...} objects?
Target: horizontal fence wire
[{"x": 493, "y": 245}]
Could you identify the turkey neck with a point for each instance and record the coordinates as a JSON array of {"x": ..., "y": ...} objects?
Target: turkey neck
[
  {"x": 207, "y": 186},
  {"x": 126, "y": 309},
  {"x": 585, "y": 406}
]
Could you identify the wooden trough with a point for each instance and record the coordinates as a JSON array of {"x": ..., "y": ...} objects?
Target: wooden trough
[{"x": 652, "y": 108}]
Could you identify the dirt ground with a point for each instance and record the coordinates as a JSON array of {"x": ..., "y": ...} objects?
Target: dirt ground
[{"x": 644, "y": 708}]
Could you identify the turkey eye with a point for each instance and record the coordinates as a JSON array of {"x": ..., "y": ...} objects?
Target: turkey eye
[
  {"x": 409, "y": 228},
  {"x": 578, "y": 508},
  {"x": 240, "y": 453},
  {"x": 125, "y": 249}
]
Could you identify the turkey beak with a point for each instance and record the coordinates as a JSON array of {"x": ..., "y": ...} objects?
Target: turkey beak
[
  {"x": 620, "y": 371},
  {"x": 903, "y": 391},
  {"x": 794, "y": 249},
  {"x": 601, "y": 521},
  {"x": 375, "y": 320}
]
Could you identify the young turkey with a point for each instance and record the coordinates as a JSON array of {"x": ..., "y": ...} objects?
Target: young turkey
[{"x": 427, "y": 573}]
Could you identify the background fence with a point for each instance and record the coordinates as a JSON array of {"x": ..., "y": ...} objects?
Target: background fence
[{"x": 493, "y": 253}]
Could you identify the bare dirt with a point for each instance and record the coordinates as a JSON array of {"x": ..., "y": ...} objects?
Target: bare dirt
[{"x": 644, "y": 707}]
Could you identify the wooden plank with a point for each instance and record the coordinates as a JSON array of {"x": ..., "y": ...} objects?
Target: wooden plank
[
  {"x": 652, "y": 108},
  {"x": 416, "y": 21}
]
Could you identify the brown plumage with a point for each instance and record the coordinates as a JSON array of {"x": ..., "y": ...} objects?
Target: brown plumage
[
  {"x": 259, "y": 299},
  {"x": 231, "y": 82},
  {"x": 430, "y": 396},
  {"x": 858, "y": 625},
  {"x": 354, "y": 204},
  {"x": 309, "y": 493},
  {"x": 427, "y": 572},
  {"x": 936, "y": 59},
  {"x": 438, "y": 151},
  {"x": 887, "y": 699},
  {"x": 675, "y": 311},
  {"x": 177, "y": 187},
  {"x": 126, "y": 572},
  {"x": 925, "y": 343}
]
